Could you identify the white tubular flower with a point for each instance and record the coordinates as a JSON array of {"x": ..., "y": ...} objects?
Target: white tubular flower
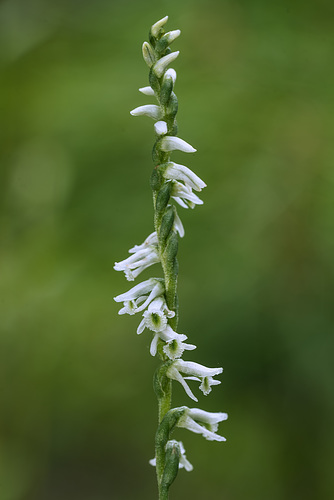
[
  {"x": 144, "y": 257},
  {"x": 178, "y": 226},
  {"x": 167, "y": 335},
  {"x": 172, "y": 35},
  {"x": 160, "y": 128},
  {"x": 151, "y": 110},
  {"x": 184, "y": 196},
  {"x": 175, "y": 348},
  {"x": 170, "y": 73},
  {"x": 142, "y": 294},
  {"x": 147, "y": 91},
  {"x": 197, "y": 372},
  {"x": 162, "y": 64},
  {"x": 152, "y": 239},
  {"x": 158, "y": 25},
  {"x": 183, "y": 463},
  {"x": 202, "y": 422},
  {"x": 172, "y": 143},
  {"x": 177, "y": 172},
  {"x": 155, "y": 318}
]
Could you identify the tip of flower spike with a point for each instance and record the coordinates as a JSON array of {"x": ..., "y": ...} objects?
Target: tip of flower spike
[{"x": 158, "y": 25}]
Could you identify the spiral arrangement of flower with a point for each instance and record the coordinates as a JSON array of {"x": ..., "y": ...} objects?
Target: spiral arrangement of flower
[{"x": 156, "y": 298}]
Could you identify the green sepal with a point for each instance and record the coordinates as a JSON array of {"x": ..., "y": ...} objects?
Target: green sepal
[
  {"x": 151, "y": 39},
  {"x": 167, "y": 425},
  {"x": 171, "y": 247},
  {"x": 161, "y": 381},
  {"x": 162, "y": 44},
  {"x": 156, "y": 180},
  {"x": 167, "y": 222},
  {"x": 166, "y": 90},
  {"x": 172, "y": 459},
  {"x": 154, "y": 81},
  {"x": 158, "y": 156},
  {"x": 172, "y": 106},
  {"x": 163, "y": 198}
]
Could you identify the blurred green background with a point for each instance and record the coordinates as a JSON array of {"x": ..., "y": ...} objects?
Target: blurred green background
[{"x": 255, "y": 88}]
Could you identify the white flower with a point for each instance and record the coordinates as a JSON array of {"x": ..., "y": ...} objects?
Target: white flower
[
  {"x": 184, "y": 195},
  {"x": 177, "y": 172},
  {"x": 140, "y": 296},
  {"x": 202, "y": 422},
  {"x": 155, "y": 318},
  {"x": 170, "y": 73},
  {"x": 197, "y": 372},
  {"x": 162, "y": 63},
  {"x": 167, "y": 335},
  {"x": 172, "y": 35},
  {"x": 151, "y": 110},
  {"x": 143, "y": 256},
  {"x": 160, "y": 128},
  {"x": 158, "y": 25},
  {"x": 175, "y": 348},
  {"x": 147, "y": 91},
  {"x": 178, "y": 226},
  {"x": 183, "y": 463},
  {"x": 152, "y": 239},
  {"x": 171, "y": 143}
]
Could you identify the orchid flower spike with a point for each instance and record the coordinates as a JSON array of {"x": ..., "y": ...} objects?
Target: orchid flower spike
[{"x": 156, "y": 298}]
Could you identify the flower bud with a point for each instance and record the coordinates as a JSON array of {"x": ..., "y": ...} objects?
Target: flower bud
[
  {"x": 166, "y": 40},
  {"x": 156, "y": 28},
  {"x": 148, "y": 54},
  {"x": 161, "y": 65}
]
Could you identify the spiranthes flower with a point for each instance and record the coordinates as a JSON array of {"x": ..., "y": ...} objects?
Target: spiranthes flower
[
  {"x": 178, "y": 226},
  {"x": 152, "y": 239},
  {"x": 175, "y": 348},
  {"x": 160, "y": 66},
  {"x": 177, "y": 172},
  {"x": 147, "y": 91},
  {"x": 183, "y": 463},
  {"x": 140, "y": 296},
  {"x": 167, "y": 335},
  {"x": 184, "y": 195},
  {"x": 170, "y": 74},
  {"x": 143, "y": 256},
  {"x": 150, "y": 110},
  {"x": 172, "y": 143},
  {"x": 160, "y": 128},
  {"x": 196, "y": 372},
  {"x": 202, "y": 422},
  {"x": 155, "y": 318},
  {"x": 156, "y": 27}
]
